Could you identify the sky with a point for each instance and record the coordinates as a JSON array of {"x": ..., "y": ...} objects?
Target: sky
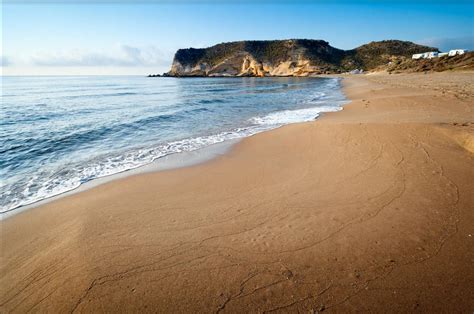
[{"x": 124, "y": 37}]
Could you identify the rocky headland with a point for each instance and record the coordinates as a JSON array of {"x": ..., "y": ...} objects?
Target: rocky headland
[{"x": 293, "y": 57}]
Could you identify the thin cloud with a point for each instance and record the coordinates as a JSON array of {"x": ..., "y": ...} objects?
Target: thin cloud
[
  {"x": 125, "y": 56},
  {"x": 444, "y": 44}
]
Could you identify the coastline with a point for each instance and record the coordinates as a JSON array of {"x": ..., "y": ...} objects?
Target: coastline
[
  {"x": 168, "y": 162},
  {"x": 85, "y": 173},
  {"x": 317, "y": 215}
]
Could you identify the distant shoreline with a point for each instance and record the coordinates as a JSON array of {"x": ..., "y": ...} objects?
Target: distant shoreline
[{"x": 260, "y": 77}]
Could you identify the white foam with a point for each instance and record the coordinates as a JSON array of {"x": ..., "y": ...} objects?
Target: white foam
[{"x": 293, "y": 116}]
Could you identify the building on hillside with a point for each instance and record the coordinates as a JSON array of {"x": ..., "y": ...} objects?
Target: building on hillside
[
  {"x": 434, "y": 54},
  {"x": 454, "y": 52},
  {"x": 357, "y": 71}
]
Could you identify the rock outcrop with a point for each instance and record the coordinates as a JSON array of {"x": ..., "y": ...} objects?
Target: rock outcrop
[{"x": 293, "y": 57}]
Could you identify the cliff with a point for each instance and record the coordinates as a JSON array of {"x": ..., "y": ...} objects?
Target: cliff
[{"x": 293, "y": 57}]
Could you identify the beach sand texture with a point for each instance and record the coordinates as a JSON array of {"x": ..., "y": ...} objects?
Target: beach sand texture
[{"x": 368, "y": 209}]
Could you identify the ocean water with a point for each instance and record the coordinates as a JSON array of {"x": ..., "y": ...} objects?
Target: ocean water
[{"x": 57, "y": 133}]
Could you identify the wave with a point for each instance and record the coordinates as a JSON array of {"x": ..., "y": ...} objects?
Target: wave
[
  {"x": 293, "y": 116},
  {"x": 38, "y": 146},
  {"x": 101, "y": 95}
]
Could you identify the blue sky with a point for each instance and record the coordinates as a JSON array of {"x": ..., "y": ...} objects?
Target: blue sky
[{"x": 121, "y": 37}]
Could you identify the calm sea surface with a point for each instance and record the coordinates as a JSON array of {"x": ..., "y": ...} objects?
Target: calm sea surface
[{"x": 59, "y": 132}]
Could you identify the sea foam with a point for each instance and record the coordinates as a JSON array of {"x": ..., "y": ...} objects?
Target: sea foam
[{"x": 293, "y": 116}]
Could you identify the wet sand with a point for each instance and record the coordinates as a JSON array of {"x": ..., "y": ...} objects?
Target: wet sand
[{"x": 368, "y": 209}]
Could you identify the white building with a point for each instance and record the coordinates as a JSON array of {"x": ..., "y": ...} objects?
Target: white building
[
  {"x": 434, "y": 54},
  {"x": 456, "y": 52},
  {"x": 431, "y": 54},
  {"x": 357, "y": 71}
]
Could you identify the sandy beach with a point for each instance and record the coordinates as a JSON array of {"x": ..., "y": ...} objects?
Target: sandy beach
[{"x": 370, "y": 209}]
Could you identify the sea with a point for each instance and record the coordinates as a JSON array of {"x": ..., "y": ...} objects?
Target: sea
[{"x": 60, "y": 132}]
